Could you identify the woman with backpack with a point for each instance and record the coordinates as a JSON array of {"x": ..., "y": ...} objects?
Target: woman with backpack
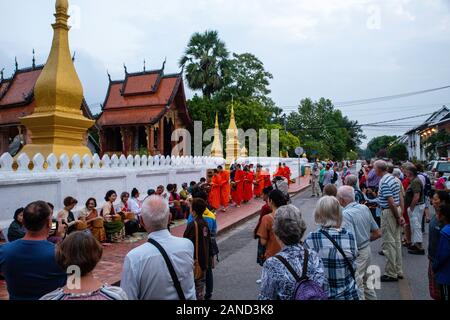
[{"x": 295, "y": 273}]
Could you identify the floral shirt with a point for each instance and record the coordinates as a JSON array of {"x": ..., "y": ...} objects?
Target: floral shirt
[{"x": 277, "y": 283}]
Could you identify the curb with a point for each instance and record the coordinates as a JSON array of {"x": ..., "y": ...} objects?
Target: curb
[{"x": 251, "y": 216}]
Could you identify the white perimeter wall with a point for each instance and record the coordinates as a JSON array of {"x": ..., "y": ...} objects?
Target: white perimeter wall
[{"x": 93, "y": 177}]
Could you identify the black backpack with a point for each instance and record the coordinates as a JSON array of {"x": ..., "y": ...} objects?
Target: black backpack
[
  {"x": 427, "y": 190},
  {"x": 335, "y": 177}
]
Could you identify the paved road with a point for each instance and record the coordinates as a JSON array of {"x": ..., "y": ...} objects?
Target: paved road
[{"x": 236, "y": 274}]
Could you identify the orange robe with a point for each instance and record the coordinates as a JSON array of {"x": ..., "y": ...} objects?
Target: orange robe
[
  {"x": 259, "y": 184},
  {"x": 214, "y": 194},
  {"x": 225, "y": 188},
  {"x": 287, "y": 174},
  {"x": 238, "y": 193},
  {"x": 248, "y": 186},
  {"x": 266, "y": 179},
  {"x": 279, "y": 173}
]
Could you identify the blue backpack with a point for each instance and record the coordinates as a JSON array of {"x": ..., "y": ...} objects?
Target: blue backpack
[{"x": 305, "y": 289}]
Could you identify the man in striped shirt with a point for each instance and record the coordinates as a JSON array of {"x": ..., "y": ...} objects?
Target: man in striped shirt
[{"x": 391, "y": 222}]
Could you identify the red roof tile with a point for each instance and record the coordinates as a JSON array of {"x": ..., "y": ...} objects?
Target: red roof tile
[
  {"x": 132, "y": 116},
  {"x": 22, "y": 86},
  {"x": 161, "y": 97},
  {"x": 9, "y": 116},
  {"x": 144, "y": 83},
  {"x": 4, "y": 86}
]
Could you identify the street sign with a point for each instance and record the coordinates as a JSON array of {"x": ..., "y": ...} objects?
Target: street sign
[{"x": 299, "y": 151}]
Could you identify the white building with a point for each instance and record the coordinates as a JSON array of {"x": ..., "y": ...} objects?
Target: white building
[{"x": 414, "y": 138}]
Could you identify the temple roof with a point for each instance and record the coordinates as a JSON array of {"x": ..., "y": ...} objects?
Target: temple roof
[
  {"x": 17, "y": 96},
  {"x": 144, "y": 98}
]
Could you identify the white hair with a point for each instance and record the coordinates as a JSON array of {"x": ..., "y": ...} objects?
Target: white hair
[
  {"x": 381, "y": 165},
  {"x": 155, "y": 213},
  {"x": 328, "y": 213},
  {"x": 346, "y": 194},
  {"x": 397, "y": 173}
]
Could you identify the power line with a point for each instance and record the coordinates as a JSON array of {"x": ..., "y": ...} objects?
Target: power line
[
  {"x": 378, "y": 124},
  {"x": 388, "y": 98}
]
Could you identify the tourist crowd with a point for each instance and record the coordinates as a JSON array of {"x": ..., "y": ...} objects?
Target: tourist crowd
[
  {"x": 332, "y": 262},
  {"x": 31, "y": 267}
]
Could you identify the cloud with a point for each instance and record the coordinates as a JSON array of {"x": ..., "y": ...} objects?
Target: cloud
[{"x": 339, "y": 49}]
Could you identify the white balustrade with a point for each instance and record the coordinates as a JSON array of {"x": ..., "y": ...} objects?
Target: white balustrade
[
  {"x": 76, "y": 162},
  {"x": 64, "y": 162},
  {"x": 114, "y": 161},
  {"x": 123, "y": 161},
  {"x": 106, "y": 162},
  {"x": 87, "y": 162},
  {"x": 52, "y": 163},
  {"x": 6, "y": 162},
  {"x": 137, "y": 161},
  {"x": 38, "y": 163},
  {"x": 23, "y": 161}
]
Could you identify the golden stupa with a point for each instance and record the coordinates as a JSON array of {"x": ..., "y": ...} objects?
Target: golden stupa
[
  {"x": 57, "y": 124},
  {"x": 216, "y": 149},
  {"x": 233, "y": 148}
]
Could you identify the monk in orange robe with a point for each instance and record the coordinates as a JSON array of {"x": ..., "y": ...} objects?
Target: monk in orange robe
[
  {"x": 279, "y": 172},
  {"x": 259, "y": 182},
  {"x": 266, "y": 178},
  {"x": 214, "y": 197},
  {"x": 225, "y": 188},
  {"x": 248, "y": 184},
  {"x": 238, "y": 192},
  {"x": 287, "y": 173}
]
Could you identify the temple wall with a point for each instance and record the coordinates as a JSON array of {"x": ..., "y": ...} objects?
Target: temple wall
[{"x": 55, "y": 179}]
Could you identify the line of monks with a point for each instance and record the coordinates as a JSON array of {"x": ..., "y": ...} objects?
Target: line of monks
[{"x": 241, "y": 184}]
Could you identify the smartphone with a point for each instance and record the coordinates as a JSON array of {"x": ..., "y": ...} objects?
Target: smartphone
[{"x": 54, "y": 226}]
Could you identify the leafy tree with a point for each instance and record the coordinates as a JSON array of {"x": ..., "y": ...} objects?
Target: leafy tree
[
  {"x": 207, "y": 63},
  {"x": 352, "y": 155},
  {"x": 379, "y": 144},
  {"x": 434, "y": 144},
  {"x": 320, "y": 126},
  {"x": 248, "y": 78},
  {"x": 398, "y": 152}
]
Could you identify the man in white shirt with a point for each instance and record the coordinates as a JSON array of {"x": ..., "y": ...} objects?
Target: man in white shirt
[
  {"x": 145, "y": 273},
  {"x": 360, "y": 222}
]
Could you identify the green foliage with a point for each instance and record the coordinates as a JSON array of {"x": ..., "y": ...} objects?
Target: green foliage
[
  {"x": 352, "y": 155},
  {"x": 206, "y": 62},
  {"x": 323, "y": 130},
  {"x": 397, "y": 152},
  {"x": 248, "y": 78},
  {"x": 378, "y": 146},
  {"x": 434, "y": 145}
]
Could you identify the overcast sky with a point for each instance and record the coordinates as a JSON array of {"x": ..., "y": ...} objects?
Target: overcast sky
[{"x": 339, "y": 49}]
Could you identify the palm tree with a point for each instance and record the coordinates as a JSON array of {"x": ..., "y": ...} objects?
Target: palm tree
[{"x": 206, "y": 63}]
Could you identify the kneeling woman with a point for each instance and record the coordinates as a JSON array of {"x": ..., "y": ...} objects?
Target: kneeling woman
[
  {"x": 114, "y": 227},
  {"x": 93, "y": 221}
]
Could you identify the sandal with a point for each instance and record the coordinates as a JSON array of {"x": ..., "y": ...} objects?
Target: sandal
[{"x": 406, "y": 244}]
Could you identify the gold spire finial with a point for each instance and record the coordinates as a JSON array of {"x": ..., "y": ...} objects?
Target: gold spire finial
[
  {"x": 62, "y": 6},
  {"x": 217, "y": 120},
  {"x": 57, "y": 123},
  {"x": 216, "y": 149},
  {"x": 233, "y": 144}
]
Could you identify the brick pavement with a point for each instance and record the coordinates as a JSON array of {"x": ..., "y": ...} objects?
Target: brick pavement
[{"x": 110, "y": 268}]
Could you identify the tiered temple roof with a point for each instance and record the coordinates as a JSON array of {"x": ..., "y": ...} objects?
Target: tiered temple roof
[
  {"x": 17, "y": 96},
  {"x": 143, "y": 98}
]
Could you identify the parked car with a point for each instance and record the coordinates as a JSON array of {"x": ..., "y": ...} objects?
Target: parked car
[{"x": 438, "y": 166}]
